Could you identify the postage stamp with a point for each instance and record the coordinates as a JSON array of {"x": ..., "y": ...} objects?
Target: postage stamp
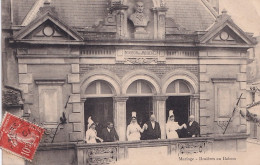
[{"x": 19, "y": 136}]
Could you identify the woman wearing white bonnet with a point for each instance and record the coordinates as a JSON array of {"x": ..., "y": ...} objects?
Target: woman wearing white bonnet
[
  {"x": 133, "y": 131},
  {"x": 172, "y": 127},
  {"x": 91, "y": 133}
]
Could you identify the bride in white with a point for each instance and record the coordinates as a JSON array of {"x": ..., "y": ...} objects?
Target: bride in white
[
  {"x": 172, "y": 127},
  {"x": 91, "y": 133},
  {"x": 133, "y": 131}
]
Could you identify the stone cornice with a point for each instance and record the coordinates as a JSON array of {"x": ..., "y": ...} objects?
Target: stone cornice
[
  {"x": 223, "y": 80},
  {"x": 50, "y": 81}
]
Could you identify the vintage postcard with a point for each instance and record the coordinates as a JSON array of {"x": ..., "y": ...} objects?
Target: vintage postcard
[{"x": 150, "y": 82}]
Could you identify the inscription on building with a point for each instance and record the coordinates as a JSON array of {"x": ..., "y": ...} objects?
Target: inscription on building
[
  {"x": 140, "y": 56},
  {"x": 143, "y": 53}
]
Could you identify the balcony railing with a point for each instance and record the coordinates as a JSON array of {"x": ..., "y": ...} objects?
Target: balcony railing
[{"x": 106, "y": 153}]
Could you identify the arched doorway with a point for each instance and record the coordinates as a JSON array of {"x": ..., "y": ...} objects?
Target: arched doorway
[
  {"x": 99, "y": 103},
  {"x": 179, "y": 92},
  {"x": 140, "y": 94}
]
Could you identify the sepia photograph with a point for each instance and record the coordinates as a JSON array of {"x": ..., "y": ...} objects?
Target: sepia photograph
[{"x": 130, "y": 82}]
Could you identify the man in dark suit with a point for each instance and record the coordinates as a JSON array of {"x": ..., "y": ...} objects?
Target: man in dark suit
[
  {"x": 193, "y": 128},
  {"x": 152, "y": 129},
  {"x": 109, "y": 133}
]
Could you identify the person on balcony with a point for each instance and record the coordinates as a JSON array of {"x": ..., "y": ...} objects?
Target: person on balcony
[
  {"x": 133, "y": 131},
  {"x": 109, "y": 134},
  {"x": 153, "y": 130},
  {"x": 172, "y": 127},
  {"x": 193, "y": 128},
  {"x": 91, "y": 133}
]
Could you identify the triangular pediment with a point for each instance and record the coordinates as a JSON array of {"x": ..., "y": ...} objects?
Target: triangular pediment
[
  {"x": 48, "y": 28},
  {"x": 226, "y": 33},
  {"x": 226, "y": 36}
]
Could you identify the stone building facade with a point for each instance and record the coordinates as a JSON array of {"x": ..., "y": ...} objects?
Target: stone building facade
[{"x": 87, "y": 58}]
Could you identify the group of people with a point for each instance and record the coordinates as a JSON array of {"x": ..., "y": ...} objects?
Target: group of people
[
  {"x": 150, "y": 130},
  {"x": 107, "y": 134}
]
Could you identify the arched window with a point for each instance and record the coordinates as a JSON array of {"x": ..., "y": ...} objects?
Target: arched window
[
  {"x": 140, "y": 87},
  {"x": 178, "y": 87},
  {"x": 99, "y": 88}
]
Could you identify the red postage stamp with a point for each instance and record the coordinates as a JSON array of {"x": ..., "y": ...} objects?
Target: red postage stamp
[{"x": 19, "y": 136}]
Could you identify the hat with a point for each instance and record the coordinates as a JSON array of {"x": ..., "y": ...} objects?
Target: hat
[
  {"x": 171, "y": 113},
  {"x": 152, "y": 115},
  {"x": 133, "y": 115},
  {"x": 90, "y": 122}
]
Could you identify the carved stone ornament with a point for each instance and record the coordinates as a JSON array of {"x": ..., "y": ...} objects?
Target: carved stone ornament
[
  {"x": 142, "y": 60},
  {"x": 194, "y": 147},
  {"x": 97, "y": 156}
]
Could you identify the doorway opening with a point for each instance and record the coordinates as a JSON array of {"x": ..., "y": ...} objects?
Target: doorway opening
[
  {"x": 143, "y": 106},
  {"x": 101, "y": 111},
  {"x": 181, "y": 108}
]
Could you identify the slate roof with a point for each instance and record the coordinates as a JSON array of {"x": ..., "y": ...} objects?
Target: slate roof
[{"x": 192, "y": 15}]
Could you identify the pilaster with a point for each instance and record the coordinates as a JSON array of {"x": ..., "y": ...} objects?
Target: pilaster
[
  {"x": 159, "y": 22},
  {"x": 159, "y": 110},
  {"x": 120, "y": 116}
]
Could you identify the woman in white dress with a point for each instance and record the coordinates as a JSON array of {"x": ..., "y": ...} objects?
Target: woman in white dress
[
  {"x": 91, "y": 133},
  {"x": 172, "y": 127},
  {"x": 133, "y": 131}
]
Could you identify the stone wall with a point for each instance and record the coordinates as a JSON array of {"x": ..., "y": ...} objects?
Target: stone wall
[{"x": 223, "y": 70}]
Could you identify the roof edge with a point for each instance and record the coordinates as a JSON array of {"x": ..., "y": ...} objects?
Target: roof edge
[{"x": 210, "y": 8}]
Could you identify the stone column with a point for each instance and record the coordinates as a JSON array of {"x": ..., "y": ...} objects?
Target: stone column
[
  {"x": 159, "y": 109},
  {"x": 120, "y": 116},
  {"x": 121, "y": 20},
  {"x": 159, "y": 22},
  {"x": 194, "y": 100}
]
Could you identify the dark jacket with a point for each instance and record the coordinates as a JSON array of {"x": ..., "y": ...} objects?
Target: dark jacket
[
  {"x": 151, "y": 133},
  {"x": 109, "y": 136},
  {"x": 194, "y": 129}
]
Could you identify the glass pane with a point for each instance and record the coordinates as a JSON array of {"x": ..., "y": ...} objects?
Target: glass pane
[
  {"x": 171, "y": 88},
  {"x": 105, "y": 88},
  {"x": 145, "y": 88},
  {"x": 91, "y": 89},
  {"x": 132, "y": 88},
  {"x": 183, "y": 87}
]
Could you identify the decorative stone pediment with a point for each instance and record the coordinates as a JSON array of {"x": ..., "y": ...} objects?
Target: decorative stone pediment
[
  {"x": 48, "y": 27},
  {"x": 225, "y": 32}
]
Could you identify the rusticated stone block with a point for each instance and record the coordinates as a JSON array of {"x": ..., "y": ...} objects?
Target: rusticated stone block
[
  {"x": 241, "y": 77},
  {"x": 76, "y": 107},
  {"x": 25, "y": 78},
  {"x": 75, "y": 117},
  {"x": 22, "y": 68},
  {"x": 75, "y": 136},
  {"x": 77, "y": 127},
  {"x": 75, "y": 88},
  {"x": 73, "y": 78},
  {"x": 204, "y": 96},
  {"x": 75, "y": 98},
  {"x": 75, "y": 68}
]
